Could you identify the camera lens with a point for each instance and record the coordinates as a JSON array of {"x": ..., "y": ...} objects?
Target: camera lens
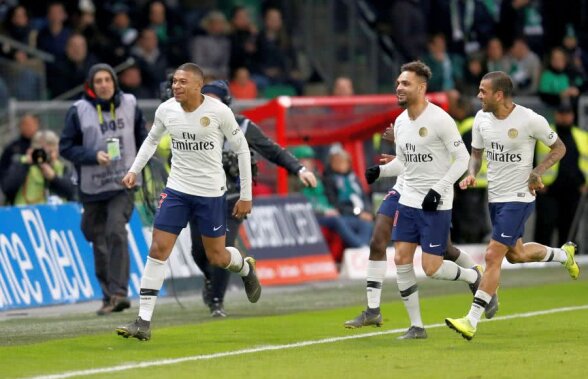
[{"x": 39, "y": 156}]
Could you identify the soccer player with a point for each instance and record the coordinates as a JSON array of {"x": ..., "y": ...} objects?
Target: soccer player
[
  {"x": 508, "y": 132},
  {"x": 377, "y": 264},
  {"x": 433, "y": 157},
  {"x": 216, "y": 279},
  {"x": 195, "y": 188}
]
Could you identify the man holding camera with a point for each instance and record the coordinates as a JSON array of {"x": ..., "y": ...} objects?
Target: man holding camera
[
  {"x": 102, "y": 134},
  {"x": 39, "y": 176}
]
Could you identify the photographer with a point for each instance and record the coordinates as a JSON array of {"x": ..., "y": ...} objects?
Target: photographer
[
  {"x": 39, "y": 174},
  {"x": 216, "y": 279}
]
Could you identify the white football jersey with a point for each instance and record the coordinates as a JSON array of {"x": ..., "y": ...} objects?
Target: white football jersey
[
  {"x": 196, "y": 144},
  {"x": 510, "y": 147},
  {"x": 433, "y": 154}
]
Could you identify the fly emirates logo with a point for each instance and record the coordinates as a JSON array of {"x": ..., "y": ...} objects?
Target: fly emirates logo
[
  {"x": 497, "y": 154},
  {"x": 189, "y": 143},
  {"x": 411, "y": 156}
]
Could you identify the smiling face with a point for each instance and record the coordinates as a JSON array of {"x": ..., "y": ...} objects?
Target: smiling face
[
  {"x": 409, "y": 88},
  {"x": 489, "y": 98},
  {"x": 186, "y": 85}
]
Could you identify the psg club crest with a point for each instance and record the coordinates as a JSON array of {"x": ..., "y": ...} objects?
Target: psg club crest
[
  {"x": 423, "y": 132},
  {"x": 204, "y": 121},
  {"x": 513, "y": 133}
]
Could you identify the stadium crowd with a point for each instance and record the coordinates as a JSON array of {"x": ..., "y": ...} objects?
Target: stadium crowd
[{"x": 541, "y": 44}]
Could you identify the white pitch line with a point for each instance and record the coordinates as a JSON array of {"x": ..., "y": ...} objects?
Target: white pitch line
[{"x": 166, "y": 362}]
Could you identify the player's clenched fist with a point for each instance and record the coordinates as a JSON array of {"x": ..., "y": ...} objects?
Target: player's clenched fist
[
  {"x": 468, "y": 181},
  {"x": 129, "y": 180}
]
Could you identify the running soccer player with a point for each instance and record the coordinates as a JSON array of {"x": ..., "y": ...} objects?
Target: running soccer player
[
  {"x": 432, "y": 156},
  {"x": 508, "y": 132},
  {"x": 196, "y": 187},
  {"x": 378, "y": 261}
]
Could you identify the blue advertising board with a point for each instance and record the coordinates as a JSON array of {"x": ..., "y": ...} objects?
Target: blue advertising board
[{"x": 45, "y": 259}]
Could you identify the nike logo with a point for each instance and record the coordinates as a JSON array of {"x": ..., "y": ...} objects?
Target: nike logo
[
  {"x": 504, "y": 236},
  {"x": 217, "y": 228},
  {"x": 431, "y": 245}
]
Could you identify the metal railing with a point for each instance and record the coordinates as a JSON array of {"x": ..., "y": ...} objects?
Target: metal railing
[{"x": 339, "y": 40}]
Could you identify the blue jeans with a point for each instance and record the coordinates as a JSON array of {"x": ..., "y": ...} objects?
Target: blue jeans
[{"x": 354, "y": 231}]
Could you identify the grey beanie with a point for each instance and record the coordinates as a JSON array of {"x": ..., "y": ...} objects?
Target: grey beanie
[{"x": 101, "y": 67}]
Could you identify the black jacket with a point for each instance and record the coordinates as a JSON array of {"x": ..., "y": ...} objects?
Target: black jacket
[{"x": 266, "y": 147}]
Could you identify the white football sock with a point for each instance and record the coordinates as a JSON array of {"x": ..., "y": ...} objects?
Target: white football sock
[
  {"x": 481, "y": 300},
  {"x": 407, "y": 285},
  {"x": 237, "y": 263},
  {"x": 151, "y": 283},
  {"x": 555, "y": 254},
  {"x": 464, "y": 259},
  {"x": 450, "y": 271},
  {"x": 376, "y": 271}
]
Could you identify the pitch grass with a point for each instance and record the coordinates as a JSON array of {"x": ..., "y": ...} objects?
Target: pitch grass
[{"x": 545, "y": 346}]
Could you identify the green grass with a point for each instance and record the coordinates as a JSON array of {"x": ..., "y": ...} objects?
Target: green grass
[{"x": 553, "y": 345}]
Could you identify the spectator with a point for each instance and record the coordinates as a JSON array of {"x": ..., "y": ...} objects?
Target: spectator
[
  {"x": 40, "y": 176},
  {"x": 276, "y": 58},
  {"x": 344, "y": 191},
  {"x": 241, "y": 86},
  {"x": 474, "y": 70},
  {"x": 577, "y": 56},
  {"x": 53, "y": 37},
  {"x": 526, "y": 68},
  {"x": 467, "y": 25},
  {"x": 443, "y": 68},
  {"x": 28, "y": 83},
  {"x": 168, "y": 30},
  {"x": 343, "y": 86},
  {"x": 522, "y": 19},
  {"x": 70, "y": 71},
  {"x": 242, "y": 37},
  {"x": 28, "y": 126},
  {"x": 131, "y": 82},
  {"x": 212, "y": 49},
  {"x": 326, "y": 214},
  {"x": 121, "y": 34},
  {"x": 555, "y": 85},
  {"x": 16, "y": 26},
  {"x": 85, "y": 24},
  {"x": 564, "y": 182},
  {"x": 105, "y": 119},
  {"x": 150, "y": 59},
  {"x": 495, "y": 58}
]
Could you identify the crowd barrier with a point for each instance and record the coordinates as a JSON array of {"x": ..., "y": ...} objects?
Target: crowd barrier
[{"x": 45, "y": 259}]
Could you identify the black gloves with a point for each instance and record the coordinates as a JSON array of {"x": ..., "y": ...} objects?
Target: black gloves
[
  {"x": 431, "y": 201},
  {"x": 372, "y": 174}
]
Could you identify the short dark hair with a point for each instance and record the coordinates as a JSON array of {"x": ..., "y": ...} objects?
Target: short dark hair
[
  {"x": 193, "y": 68},
  {"x": 419, "y": 68},
  {"x": 500, "y": 81}
]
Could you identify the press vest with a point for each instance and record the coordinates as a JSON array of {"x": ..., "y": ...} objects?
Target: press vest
[
  {"x": 581, "y": 139},
  {"x": 96, "y": 130},
  {"x": 482, "y": 178}
]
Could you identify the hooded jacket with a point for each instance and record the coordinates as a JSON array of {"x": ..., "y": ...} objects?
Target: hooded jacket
[{"x": 88, "y": 125}]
